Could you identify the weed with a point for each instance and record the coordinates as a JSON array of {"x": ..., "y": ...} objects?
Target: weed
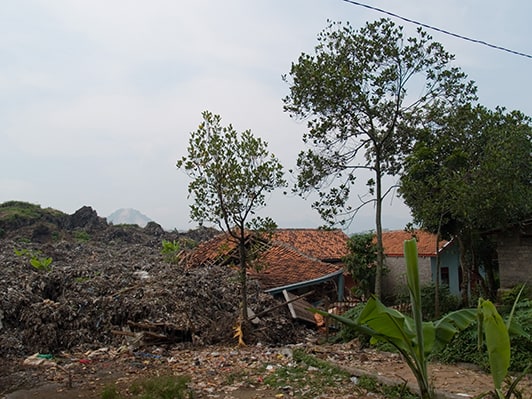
[
  {"x": 81, "y": 236},
  {"x": 171, "y": 250},
  {"x": 308, "y": 376},
  {"x": 159, "y": 387},
  {"x": 389, "y": 391},
  {"x": 41, "y": 263},
  {"x": 110, "y": 392},
  {"x": 36, "y": 260}
]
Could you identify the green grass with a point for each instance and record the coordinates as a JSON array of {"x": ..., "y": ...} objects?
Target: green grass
[
  {"x": 159, "y": 387},
  {"x": 310, "y": 377},
  {"x": 307, "y": 376},
  {"x": 15, "y": 210}
]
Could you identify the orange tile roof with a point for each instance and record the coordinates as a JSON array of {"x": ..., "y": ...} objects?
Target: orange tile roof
[
  {"x": 215, "y": 250},
  {"x": 393, "y": 242},
  {"x": 321, "y": 244},
  {"x": 284, "y": 258},
  {"x": 285, "y": 266}
]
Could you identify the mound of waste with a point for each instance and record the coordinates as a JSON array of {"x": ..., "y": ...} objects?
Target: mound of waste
[{"x": 88, "y": 284}]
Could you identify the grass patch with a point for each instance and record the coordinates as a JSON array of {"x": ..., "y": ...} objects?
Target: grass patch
[
  {"x": 159, "y": 387},
  {"x": 307, "y": 376},
  {"x": 311, "y": 377},
  {"x": 389, "y": 391}
]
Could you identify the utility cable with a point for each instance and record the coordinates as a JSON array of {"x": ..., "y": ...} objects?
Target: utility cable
[{"x": 446, "y": 32}]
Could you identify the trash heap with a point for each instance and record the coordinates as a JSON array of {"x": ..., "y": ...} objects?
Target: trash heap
[{"x": 112, "y": 286}]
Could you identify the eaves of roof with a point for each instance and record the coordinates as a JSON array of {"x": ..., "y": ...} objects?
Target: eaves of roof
[{"x": 307, "y": 283}]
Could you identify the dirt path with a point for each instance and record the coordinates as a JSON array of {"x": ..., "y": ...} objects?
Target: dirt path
[{"x": 224, "y": 372}]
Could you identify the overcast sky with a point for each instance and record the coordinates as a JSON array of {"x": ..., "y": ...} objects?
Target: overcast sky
[{"x": 98, "y": 98}]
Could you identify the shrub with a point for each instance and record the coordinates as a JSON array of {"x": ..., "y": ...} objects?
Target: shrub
[
  {"x": 464, "y": 346},
  {"x": 448, "y": 301},
  {"x": 348, "y": 333}
]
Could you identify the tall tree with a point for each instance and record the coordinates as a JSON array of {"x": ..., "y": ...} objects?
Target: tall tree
[
  {"x": 363, "y": 93},
  {"x": 469, "y": 173},
  {"x": 231, "y": 174}
]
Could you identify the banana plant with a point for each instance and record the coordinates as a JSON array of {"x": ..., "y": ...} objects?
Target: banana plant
[
  {"x": 496, "y": 334},
  {"x": 411, "y": 336}
]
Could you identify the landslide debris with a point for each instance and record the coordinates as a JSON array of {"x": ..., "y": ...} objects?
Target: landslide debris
[{"x": 109, "y": 285}]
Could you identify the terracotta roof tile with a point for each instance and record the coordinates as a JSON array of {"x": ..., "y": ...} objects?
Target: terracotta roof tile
[
  {"x": 285, "y": 259},
  {"x": 321, "y": 244},
  {"x": 215, "y": 250},
  {"x": 393, "y": 242},
  {"x": 285, "y": 266}
]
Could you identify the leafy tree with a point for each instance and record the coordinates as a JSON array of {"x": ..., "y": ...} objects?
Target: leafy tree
[
  {"x": 360, "y": 262},
  {"x": 364, "y": 93},
  {"x": 231, "y": 173},
  {"x": 469, "y": 173}
]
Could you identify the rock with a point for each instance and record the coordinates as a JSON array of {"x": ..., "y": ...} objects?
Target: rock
[{"x": 86, "y": 218}]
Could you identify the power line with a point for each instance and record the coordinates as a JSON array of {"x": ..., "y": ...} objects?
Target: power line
[{"x": 438, "y": 29}]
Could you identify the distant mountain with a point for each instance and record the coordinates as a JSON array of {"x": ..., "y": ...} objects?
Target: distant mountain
[{"x": 128, "y": 216}]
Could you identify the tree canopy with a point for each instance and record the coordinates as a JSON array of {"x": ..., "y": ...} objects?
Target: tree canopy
[
  {"x": 231, "y": 174},
  {"x": 468, "y": 174},
  {"x": 364, "y": 93}
]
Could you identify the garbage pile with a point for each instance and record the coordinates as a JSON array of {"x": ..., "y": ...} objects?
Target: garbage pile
[{"x": 112, "y": 286}]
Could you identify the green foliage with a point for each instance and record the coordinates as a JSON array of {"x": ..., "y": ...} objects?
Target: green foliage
[
  {"x": 521, "y": 344},
  {"x": 361, "y": 263},
  {"x": 35, "y": 258},
  {"x": 307, "y": 383},
  {"x": 41, "y": 263},
  {"x": 496, "y": 334},
  {"x": 13, "y": 212},
  {"x": 463, "y": 348},
  {"x": 448, "y": 301},
  {"x": 231, "y": 174},
  {"x": 364, "y": 93},
  {"x": 82, "y": 236},
  {"x": 473, "y": 167},
  {"x": 507, "y": 298},
  {"x": 497, "y": 342},
  {"x": 171, "y": 250},
  {"x": 470, "y": 172},
  {"x": 388, "y": 391},
  {"x": 159, "y": 387},
  {"x": 348, "y": 333},
  {"x": 412, "y": 337},
  {"x": 355, "y": 94}
]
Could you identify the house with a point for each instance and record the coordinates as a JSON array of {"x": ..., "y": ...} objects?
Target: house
[
  {"x": 514, "y": 252},
  {"x": 290, "y": 260},
  {"x": 395, "y": 278}
]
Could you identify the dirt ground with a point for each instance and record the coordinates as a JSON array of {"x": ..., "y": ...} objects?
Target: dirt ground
[{"x": 225, "y": 372}]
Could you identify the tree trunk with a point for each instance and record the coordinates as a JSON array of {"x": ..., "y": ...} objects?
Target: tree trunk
[
  {"x": 243, "y": 277},
  {"x": 378, "y": 223},
  {"x": 464, "y": 265},
  {"x": 437, "y": 282}
]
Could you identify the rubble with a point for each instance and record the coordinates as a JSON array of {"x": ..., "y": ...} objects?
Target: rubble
[{"x": 111, "y": 285}]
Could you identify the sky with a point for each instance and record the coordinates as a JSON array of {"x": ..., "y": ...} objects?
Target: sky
[{"x": 98, "y": 97}]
